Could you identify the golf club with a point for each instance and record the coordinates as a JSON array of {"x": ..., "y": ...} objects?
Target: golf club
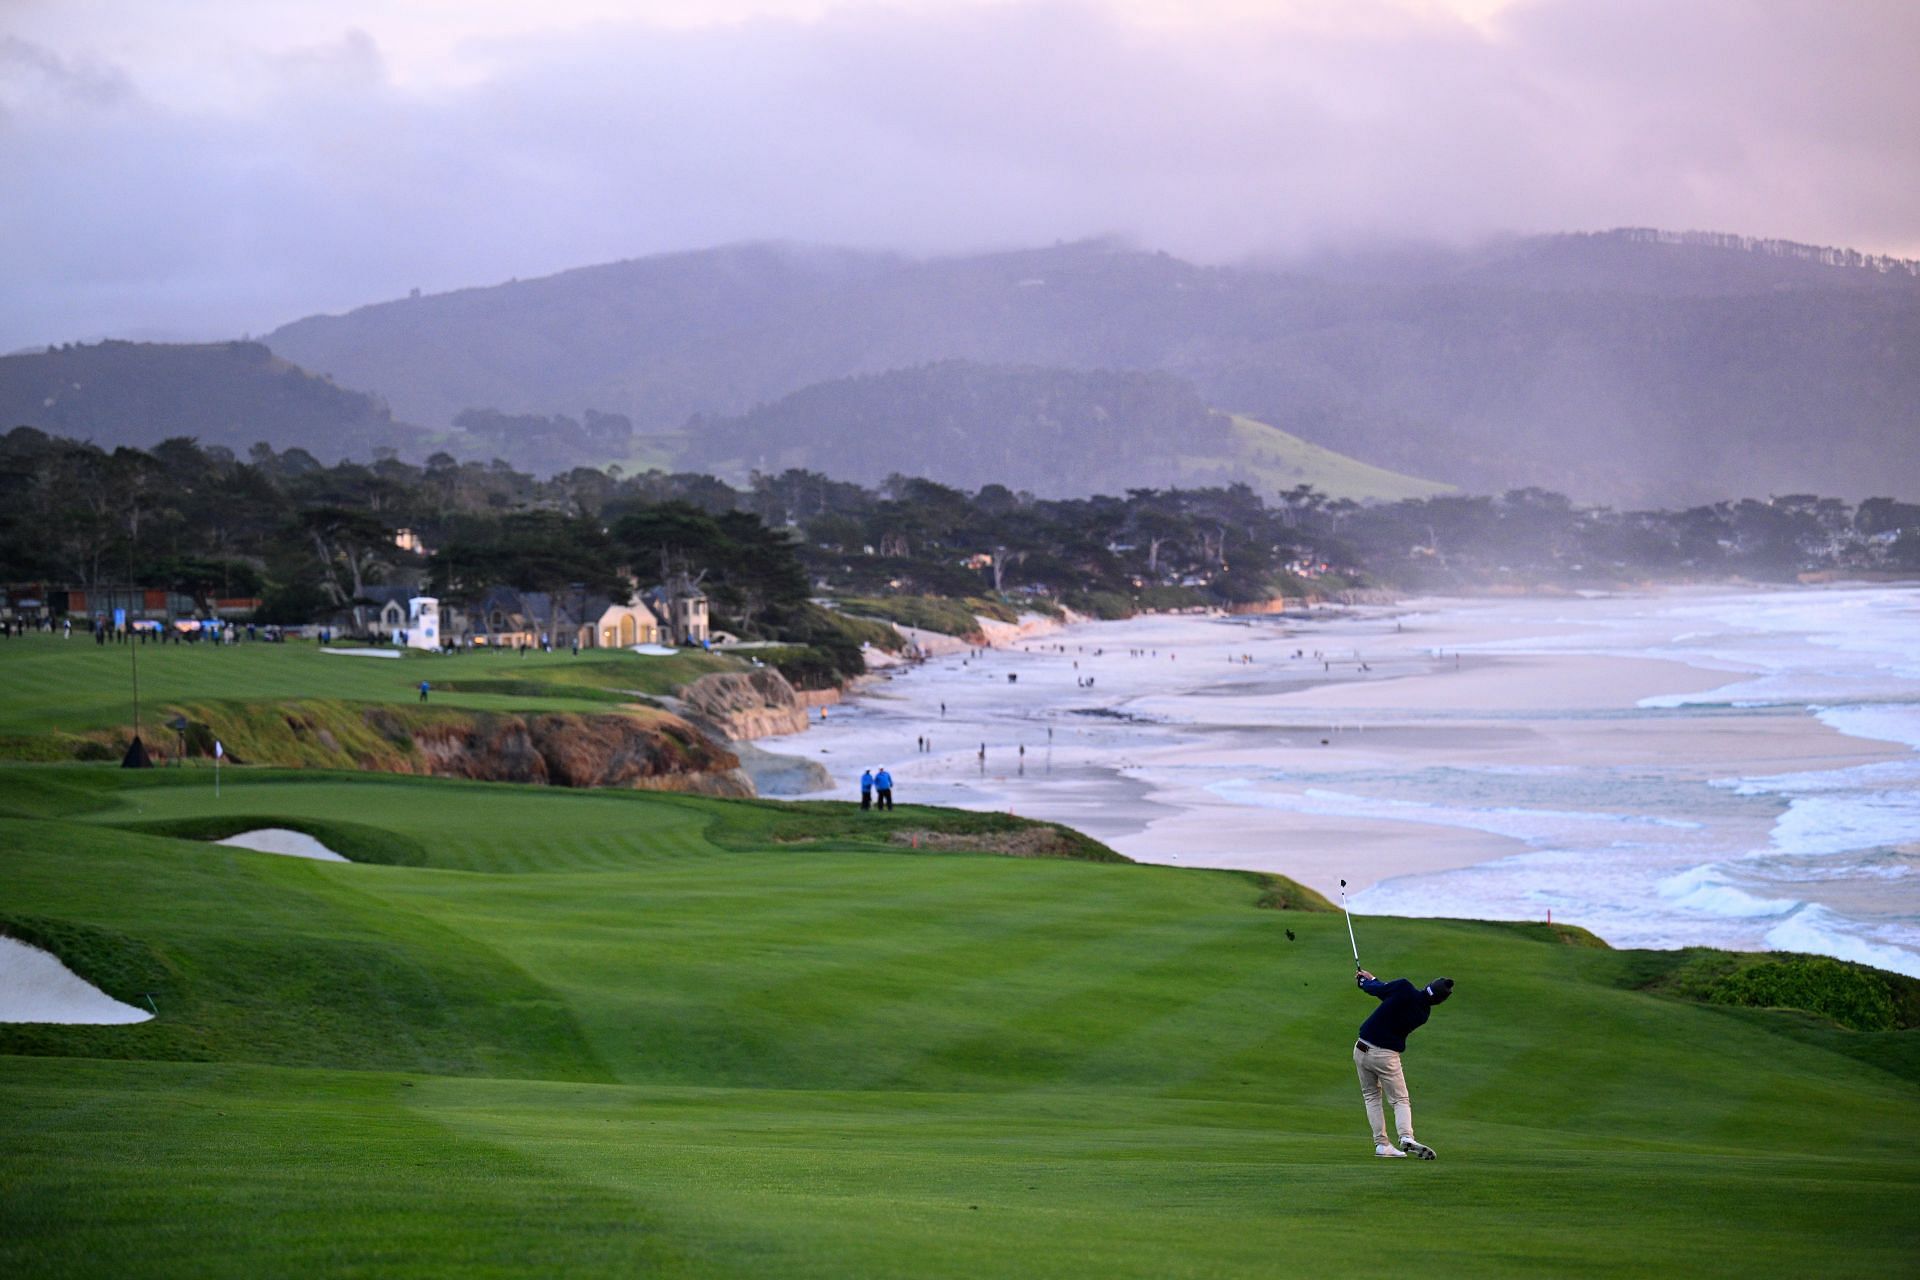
[{"x": 1349, "y": 915}]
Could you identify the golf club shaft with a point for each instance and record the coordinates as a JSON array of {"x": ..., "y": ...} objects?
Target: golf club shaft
[{"x": 1350, "y": 938}]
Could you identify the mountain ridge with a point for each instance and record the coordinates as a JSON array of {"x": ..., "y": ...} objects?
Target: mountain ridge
[
  {"x": 1630, "y": 366},
  {"x": 1635, "y": 367}
]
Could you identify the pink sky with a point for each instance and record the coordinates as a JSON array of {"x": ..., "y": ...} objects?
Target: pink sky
[{"x": 207, "y": 167}]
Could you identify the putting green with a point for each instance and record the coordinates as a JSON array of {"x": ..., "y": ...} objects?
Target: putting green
[{"x": 645, "y": 1034}]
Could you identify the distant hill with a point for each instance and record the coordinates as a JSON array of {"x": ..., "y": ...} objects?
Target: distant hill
[
  {"x": 1054, "y": 432},
  {"x": 231, "y": 394},
  {"x": 1273, "y": 461},
  {"x": 1634, "y": 367}
]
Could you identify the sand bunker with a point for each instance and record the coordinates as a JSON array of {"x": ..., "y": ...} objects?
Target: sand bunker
[
  {"x": 36, "y": 987},
  {"x": 294, "y": 844}
]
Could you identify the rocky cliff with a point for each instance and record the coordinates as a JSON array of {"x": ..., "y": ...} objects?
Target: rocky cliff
[
  {"x": 564, "y": 750},
  {"x": 744, "y": 705},
  {"x": 642, "y": 748}
]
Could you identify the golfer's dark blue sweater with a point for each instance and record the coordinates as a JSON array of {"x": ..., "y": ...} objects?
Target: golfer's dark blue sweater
[{"x": 1403, "y": 1009}]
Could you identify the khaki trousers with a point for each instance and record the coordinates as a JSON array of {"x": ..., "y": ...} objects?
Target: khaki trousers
[{"x": 1380, "y": 1073}]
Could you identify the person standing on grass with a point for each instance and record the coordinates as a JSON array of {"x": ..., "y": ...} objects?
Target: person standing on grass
[
  {"x": 866, "y": 790},
  {"x": 424, "y": 686},
  {"x": 883, "y": 782},
  {"x": 1403, "y": 1009}
]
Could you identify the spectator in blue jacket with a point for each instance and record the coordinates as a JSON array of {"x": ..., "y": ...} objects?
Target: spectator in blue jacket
[
  {"x": 866, "y": 790},
  {"x": 883, "y": 782},
  {"x": 1403, "y": 1009}
]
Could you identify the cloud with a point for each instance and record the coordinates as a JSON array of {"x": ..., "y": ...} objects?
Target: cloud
[
  {"x": 314, "y": 181},
  {"x": 34, "y": 76}
]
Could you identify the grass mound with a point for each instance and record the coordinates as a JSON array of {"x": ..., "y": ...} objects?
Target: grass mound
[
  {"x": 1033, "y": 842},
  {"x": 1278, "y": 893},
  {"x": 1851, "y": 995}
]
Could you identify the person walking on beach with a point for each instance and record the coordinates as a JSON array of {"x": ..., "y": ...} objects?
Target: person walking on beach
[
  {"x": 1403, "y": 1009},
  {"x": 883, "y": 782},
  {"x": 866, "y": 790}
]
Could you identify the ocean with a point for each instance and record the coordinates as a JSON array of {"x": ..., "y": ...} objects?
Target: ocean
[
  {"x": 1765, "y": 795},
  {"x": 1668, "y": 857}
]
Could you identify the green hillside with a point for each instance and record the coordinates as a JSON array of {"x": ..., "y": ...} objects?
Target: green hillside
[
  {"x": 1274, "y": 461},
  {"x": 624, "y": 1034}
]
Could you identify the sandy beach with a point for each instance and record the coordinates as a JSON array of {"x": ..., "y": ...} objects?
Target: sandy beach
[{"x": 1382, "y": 745}]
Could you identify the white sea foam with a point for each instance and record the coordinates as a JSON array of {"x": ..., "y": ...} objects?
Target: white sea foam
[
  {"x": 1846, "y": 822},
  {"x": 1703, "y": 889},
  {"x": 1859, "y": 808},
  {"x": 1828, "y": 870},
  {"x": 1885, "y": 722},
  {"x": 1515, "y": 822},
  {"x": 1801, "y": 646}
]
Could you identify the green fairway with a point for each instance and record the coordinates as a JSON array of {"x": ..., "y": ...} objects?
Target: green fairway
[
  {"x": 638, "y": 1034},
  {"x": 72, "y": 686}
]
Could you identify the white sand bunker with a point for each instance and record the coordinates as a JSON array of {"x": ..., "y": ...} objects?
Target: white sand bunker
[
  {"x": 295, "y": 844},
  {"x": 36, "y": 987}
]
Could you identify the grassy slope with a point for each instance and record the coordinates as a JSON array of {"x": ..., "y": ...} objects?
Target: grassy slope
[
  {"x": 943, "y": 614},
  {"x": 65, "y": 687},
  {"x": 1275, "y": 460},
  {"x": 639, "y": 1033}
]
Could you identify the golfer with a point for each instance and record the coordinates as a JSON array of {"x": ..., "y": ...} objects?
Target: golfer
[{"x": 1376, "y": 1056}]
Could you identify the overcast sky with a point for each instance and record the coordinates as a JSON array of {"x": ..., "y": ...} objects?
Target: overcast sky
[{"x": 202, "y": 168}]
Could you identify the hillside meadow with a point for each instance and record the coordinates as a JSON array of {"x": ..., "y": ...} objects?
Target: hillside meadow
[{"x": 541, "y": 1031}]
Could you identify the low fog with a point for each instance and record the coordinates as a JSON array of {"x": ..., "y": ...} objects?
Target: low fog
[{"x": 304, "y": 175}]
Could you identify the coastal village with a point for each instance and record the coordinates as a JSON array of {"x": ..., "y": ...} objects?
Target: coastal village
[{"x": 672, "y": 615}]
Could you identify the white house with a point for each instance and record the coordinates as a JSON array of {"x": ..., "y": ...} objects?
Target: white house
[{"x": 423, "y": 624}]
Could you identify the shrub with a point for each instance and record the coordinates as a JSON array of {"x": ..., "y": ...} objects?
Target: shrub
[
  {"x": 929, "y": 613},
  {"x": 1850, "y": 995},
  {"x": 818, "y": 666},
  {"x": 1108, "y": 606}
]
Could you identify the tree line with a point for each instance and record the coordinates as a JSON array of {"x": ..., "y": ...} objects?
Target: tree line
[{"x": 307, "y": 539}]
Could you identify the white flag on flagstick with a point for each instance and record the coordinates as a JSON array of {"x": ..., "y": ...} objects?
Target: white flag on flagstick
[{"x": 218, "y": 749}]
